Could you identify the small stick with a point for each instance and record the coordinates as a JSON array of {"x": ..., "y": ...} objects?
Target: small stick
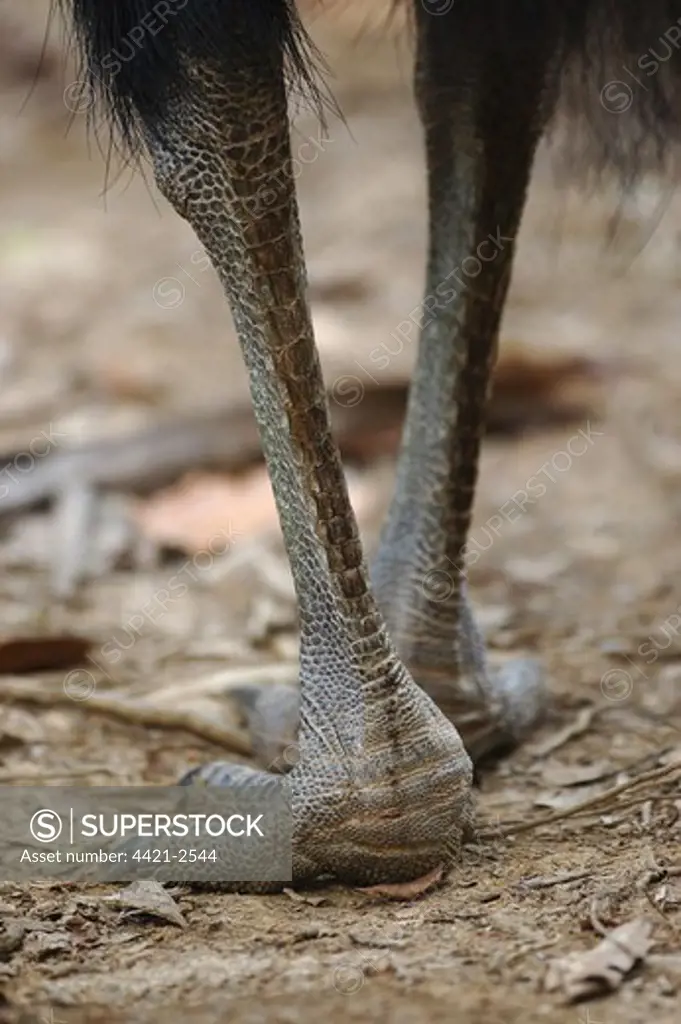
[
  {"x": 133, "y": 713},
  {"x": 585, "y": 805},
  {"x": 47, "y": 778},
  {"x": 544, "y": 882}
]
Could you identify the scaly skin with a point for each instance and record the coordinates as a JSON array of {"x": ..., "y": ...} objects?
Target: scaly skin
[
  {"x": 382, "y": 788},
  {"x": 482, "y": 119},
  {"x": 481, "y": 108}
]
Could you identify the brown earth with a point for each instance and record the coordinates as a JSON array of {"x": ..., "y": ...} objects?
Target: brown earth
[{"x": 94, "y": 338}]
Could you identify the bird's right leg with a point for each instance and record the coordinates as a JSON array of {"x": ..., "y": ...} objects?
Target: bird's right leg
[{"x": 480, "y": 87}]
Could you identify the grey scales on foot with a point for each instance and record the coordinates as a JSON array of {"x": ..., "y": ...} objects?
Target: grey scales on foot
[{"x": 395, "y": 692}]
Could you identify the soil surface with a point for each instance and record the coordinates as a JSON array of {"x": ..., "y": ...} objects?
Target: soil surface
[{"x": 109, "y": 318}]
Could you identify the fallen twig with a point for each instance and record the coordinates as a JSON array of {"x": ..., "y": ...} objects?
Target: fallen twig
[
  {"x": 544, "y": 882},
  {"x": 34, "y": 778},
  {"x": 133, "y": 712},
  {"x": 228, "y": 439},
  {"x": 578, "y": 727},
  {"x": 585, "y": 806}
]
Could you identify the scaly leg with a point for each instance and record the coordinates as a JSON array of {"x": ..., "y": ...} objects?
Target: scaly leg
[
  {"x": 382, "y": 788},
  {"x": 479, "y": 86}
]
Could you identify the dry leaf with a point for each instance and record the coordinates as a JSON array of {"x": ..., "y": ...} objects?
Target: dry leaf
[
  {"x": 562, "y": 800},
  {"x": 406, "y": 890},
  {"x": 299, "y": 897},
  {"x": 557, "y": 774},
  {"x": 38, "y": 653},
  {"x": 20, "y": 727},
  {"x": 604, "y": 968},
  {"x": 204, "y": 510},
  {"x": 149, "y": 897},
  {"x": 668, "y": 896},
  {"x": 580, "y": 725},
  {"x": 12, "y": 934}
]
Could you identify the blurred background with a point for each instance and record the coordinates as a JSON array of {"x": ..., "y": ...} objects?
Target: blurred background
[
  {"x": 143, "y": 578},
  {"x": 130, "y": 452}
]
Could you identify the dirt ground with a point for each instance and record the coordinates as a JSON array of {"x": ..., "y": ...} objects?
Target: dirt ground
[{"x": 109, "y": 318}]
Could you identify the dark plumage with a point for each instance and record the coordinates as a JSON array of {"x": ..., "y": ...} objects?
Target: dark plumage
[
  {"x": 616, "y": 67},
  {"x": 135, "y": 53}
]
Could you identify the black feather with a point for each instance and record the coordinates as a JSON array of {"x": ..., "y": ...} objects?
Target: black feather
[
  {"x": 134, "y": 54},
  {"x": 616, "y": 67}
]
